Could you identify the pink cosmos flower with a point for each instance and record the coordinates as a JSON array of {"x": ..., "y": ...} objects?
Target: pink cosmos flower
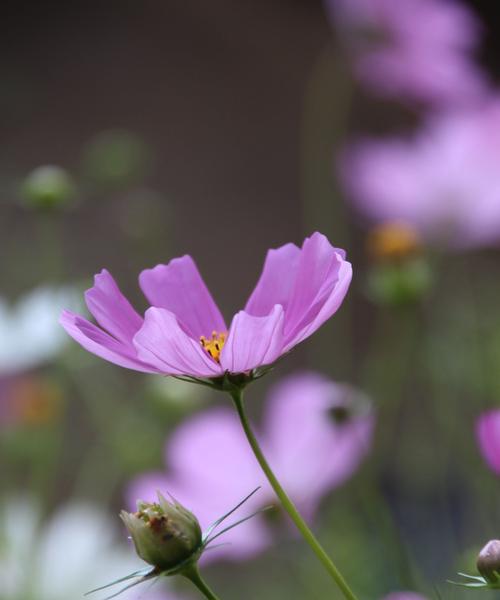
[
  {"x": 184, "y": 333},
  {"x": 314, "y": 432},
  {"x": 488, "y": 438},
  {"x": 444, "y": 182},
  {"x": 414, "y": 49}
]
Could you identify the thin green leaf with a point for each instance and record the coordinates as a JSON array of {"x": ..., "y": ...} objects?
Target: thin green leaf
[
  {"x": 217, "y": 546},
  {"x": 187, "y": 379},
  {"x": 140, "y": 573},
  {"x": 254, "y": 514},
  {"x": 215, "y": 524},
  {"x": 475, "y": 577},
  {"x": 469, "y": 585},
  {"x": 128, "y": 587}
]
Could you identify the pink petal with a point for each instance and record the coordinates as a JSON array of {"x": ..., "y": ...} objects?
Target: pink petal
[
  {"x": 111, "y": 309},
  {"x": 253, "y": 341},
  {"x": 276, "y": 281},
  {"x": 488, "y": 437},
  {"x": 322, "y": 280},
  {"x": 179, "y": 288},
  {"x": 162, "y": 343},
  {"x": 310, "y": 283},
  {"x": 328, "y": 302},
  {"x": 316, "y": 259},
  {"x": 98, "y": 342}
]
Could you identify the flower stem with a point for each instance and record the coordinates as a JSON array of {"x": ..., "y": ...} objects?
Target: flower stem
[
  {"x": 287, "y": 503},
  {"x": 193, "y": 574}
]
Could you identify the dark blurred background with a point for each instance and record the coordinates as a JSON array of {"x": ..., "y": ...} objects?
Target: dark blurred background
[{"x": 217, "y": 90}]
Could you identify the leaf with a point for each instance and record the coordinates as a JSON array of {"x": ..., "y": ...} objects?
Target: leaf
[
  {"x": 143, "y": 574},
  {"x": 233, "y": 525},
  {"x": 475, "y": 582},
  {"x": 228, "y": 514}
]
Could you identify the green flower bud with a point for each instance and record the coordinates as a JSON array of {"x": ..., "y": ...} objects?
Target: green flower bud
[
  {"x": 165, "y": 535},
  {"x": 116, "y": 158},
  {"x": 488, "y": 561},
  {"x": 168, "y": 537},
  {"x": 48, "y": 187}
]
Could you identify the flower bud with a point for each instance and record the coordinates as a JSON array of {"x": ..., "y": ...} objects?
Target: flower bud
[
  {"x": 115, "y": 159},
  {"x": 165, "y": 535},
  {"x": 48, "y": 187},
  {"x": 488, "y": 561}
]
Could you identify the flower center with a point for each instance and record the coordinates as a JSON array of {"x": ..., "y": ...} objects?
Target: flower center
[
  {"x": 393, "y": 241},
  {"x": 213, "y": 346}
]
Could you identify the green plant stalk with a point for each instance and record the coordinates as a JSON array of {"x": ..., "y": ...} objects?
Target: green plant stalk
[
  {"x": 288, "y": 505},
  {"x": 193, "y": 574}
]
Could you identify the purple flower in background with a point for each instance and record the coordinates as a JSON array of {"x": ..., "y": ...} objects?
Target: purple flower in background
[
  {"x": 315, "y": 433},
  {"x": 444, "y": 182},
  {"x": 488, "y": 438},
  {"x": 415, "y": 49},
  {"x": 184, "y": 333}
]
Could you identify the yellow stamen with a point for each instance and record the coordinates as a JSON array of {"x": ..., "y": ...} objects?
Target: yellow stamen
[
  {"x": 393, "y": 241},
  {"x": 214, "y": 345}
]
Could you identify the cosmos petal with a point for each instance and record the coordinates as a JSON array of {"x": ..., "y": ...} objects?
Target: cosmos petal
[
  {"x": 179, "y": 288},
  {"x": 100, "y": 343},
  {"x": 253, "y": 341},
  {"x": 111, "y": 309},
  {"x": 162, "y": 343}
]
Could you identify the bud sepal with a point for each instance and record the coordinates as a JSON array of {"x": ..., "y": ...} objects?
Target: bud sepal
[{"x": 476, "y": 581}]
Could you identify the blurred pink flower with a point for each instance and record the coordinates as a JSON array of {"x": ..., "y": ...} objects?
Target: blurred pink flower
[
  {"x": 415, "y": 49},
  {"x": 315, "y": 433},
  {"x": 488, "y": 438},
  {"x": 184, "y": 332},
  {"x": 444, "y": 182},
  {"x": 404, "y": 596}
]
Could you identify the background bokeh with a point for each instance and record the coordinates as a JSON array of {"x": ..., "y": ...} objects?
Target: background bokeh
[{"x": 213, "y": 129}]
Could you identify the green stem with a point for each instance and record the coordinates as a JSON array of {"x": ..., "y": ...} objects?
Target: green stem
[
  {"x": 287, "y": 503},
  {"x": 193, "y": 574}
]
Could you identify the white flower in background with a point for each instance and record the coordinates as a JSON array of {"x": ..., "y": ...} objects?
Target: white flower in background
[
  {"x": 30, "y": 333},
  {"x": 76, "y": 550}
]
